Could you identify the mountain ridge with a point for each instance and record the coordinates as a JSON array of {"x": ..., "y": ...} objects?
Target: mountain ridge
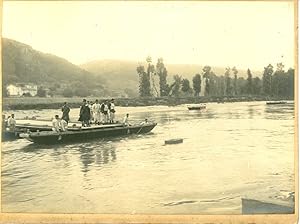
[{"x": 22, "y": 63}]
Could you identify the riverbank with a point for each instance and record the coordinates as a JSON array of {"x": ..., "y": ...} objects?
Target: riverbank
[{"x": 24, "y": 103}]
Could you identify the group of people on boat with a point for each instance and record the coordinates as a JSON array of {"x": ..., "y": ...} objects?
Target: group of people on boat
[
  {"x": 94, "y": 112},
  {"x": 9, "y": 123},
  {"x": 90, "y": 112}
]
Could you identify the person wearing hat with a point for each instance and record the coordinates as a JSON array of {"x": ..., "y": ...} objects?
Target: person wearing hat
[
  {"x": 65, "y": 110},
  {"x": 85, "y": 114},
  {"x": 112, "y": 111}
]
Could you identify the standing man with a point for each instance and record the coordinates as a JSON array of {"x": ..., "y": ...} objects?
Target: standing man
[
  {"x": 106, "y": 112},
  {"x": 126, "y": 120},
  {"x": 11, "y": 123},
  {"x": 85, "y": 114},
  {"x": 65, "y": 110},
  {"x": 102, "y": 112},
  {"x": 112, "y": 111},
  {"x": 96, "y": 112}
]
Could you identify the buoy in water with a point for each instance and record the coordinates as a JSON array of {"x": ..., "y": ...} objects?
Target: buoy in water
[{"x": 174, "y": 141}]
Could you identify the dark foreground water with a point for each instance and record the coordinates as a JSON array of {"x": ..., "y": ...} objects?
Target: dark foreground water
[{"x": 230, "y": 151}]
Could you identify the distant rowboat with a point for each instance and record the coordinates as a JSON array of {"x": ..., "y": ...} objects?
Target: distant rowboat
[
  {"x": 196, "y": 107},
  {"x": 276, "y": 102}
]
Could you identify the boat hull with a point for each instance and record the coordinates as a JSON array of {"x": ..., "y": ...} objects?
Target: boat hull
[{"x": 52, "y": 137}]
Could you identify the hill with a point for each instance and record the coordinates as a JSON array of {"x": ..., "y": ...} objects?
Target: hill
[
  {"x": 122, "y": 75},
  {"x": 22, "y": 64}
]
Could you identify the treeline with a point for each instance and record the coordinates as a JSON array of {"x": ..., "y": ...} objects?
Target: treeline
[{"x": 275, "y": 82}]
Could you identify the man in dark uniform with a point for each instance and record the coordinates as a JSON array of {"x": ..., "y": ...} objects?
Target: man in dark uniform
[
  {"x": 65, "y": 110},
  {"x": 85, "y": 114}
]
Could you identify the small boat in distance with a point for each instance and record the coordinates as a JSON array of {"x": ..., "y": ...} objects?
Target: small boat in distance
[
  {"x": 276, "y": 102},
  {"x": 196, "y": 106},
  {"x": 85, "y": 133}
]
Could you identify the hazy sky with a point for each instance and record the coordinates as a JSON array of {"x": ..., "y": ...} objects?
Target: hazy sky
[{"x": 242, "y": 34}]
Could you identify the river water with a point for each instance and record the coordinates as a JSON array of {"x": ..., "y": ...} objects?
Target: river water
[{"x": 230, "y": 151}]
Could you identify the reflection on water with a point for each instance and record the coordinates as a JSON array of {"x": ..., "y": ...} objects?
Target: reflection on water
[{"x": 230, "y": 151}]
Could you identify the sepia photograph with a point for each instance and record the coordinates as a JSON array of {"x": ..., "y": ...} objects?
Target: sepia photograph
[{"x": 149, "y": 108}]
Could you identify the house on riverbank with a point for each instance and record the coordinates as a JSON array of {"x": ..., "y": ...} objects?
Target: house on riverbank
[{"x": 21, "y": 89}]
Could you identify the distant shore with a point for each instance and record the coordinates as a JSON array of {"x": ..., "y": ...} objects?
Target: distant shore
[{"x": 38, "y": 103}]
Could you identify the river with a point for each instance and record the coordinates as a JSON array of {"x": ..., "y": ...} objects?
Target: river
[{"x": 230, "y": 151}]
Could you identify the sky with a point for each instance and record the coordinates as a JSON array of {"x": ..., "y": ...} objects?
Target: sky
[{"x": 241, "y": 34}]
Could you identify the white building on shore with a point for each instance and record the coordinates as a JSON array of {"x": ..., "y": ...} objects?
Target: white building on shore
[{"x": 21, "y": 89}]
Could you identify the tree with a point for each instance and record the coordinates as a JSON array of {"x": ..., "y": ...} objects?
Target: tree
[
  {"x": 241, "y": 84},
  {"x": 175, "y": 87},
  {"x": 256, "y": 87},
  {"x": 235, "y": 89},
  {"x": 67, "y": 92},
  {"x": 267, "y": 79},
  {"x": 41, "y": 92},
  {"x": 290, "y": 80},
  {"x": 207, "y": 87},
  {"x": 249, "y": 86},
  {"x": 144, "y": 82},
  {"x": 220, "y": 86},
  {"x": 82, "y": 91},
  {"x": 197, "y": 84},
  {"x": 227, "y": 82},
  {"x": 150, "y": 74},
  {"x": 206, "y": 75},
  {"x": 162, "y": 73},
  {"x": 185, "y": 86},
  {"x": 279, "y": 85}
]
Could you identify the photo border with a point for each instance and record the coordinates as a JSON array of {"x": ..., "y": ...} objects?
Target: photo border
[{"x": 205, "y": 219}]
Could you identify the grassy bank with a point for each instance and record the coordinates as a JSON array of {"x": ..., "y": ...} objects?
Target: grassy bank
[{"x": 23, "y": 103}]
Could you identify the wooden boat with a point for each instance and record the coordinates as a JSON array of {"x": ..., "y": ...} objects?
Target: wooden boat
[
  {"x": 251, "y": 206},
  {"x": 174, "y": 141},
  {"x": 276, "y": 102},
  {"x": 84, "y": 133},
  {"x": 196, "y": 107}
]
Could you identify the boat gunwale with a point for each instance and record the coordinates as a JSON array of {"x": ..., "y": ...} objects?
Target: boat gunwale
[{"x": 91, "y": 130}]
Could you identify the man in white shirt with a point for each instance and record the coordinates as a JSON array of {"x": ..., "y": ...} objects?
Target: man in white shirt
[
  {"x": 126, "y": 120},
  {"x": 55, "y": 123},
  {"x": 11, "y": 122},
  {"x": 96, "y": 112},
  {"x": 63, "y": 125}
]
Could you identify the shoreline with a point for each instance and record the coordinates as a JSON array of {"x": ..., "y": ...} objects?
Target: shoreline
[{"x": 36, "y": 103}]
